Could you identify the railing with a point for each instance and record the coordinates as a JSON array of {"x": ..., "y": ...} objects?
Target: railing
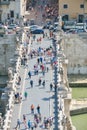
[{"x": 8, "y": 115}]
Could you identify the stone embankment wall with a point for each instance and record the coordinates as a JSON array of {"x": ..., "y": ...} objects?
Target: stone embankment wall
[
  {"x": 7, "y": 51},
  {"x": 75, "y": 49},
  {"x": 78, "y": 111}
]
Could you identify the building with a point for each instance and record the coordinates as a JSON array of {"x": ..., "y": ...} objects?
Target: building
[
  {"x": 12, "y": 9},
  {"x": 73, "y": 10},
  {"x": 75, "y": 49}
]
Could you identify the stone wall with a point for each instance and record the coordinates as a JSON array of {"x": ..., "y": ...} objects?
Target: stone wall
[
  {"x": 75, "y": 50},
  {"x": 78, "y": 111},
  {"x": 7, "y": 51}
]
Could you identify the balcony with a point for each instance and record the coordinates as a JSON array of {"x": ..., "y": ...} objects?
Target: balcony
[{"x": 4, "y": 2}]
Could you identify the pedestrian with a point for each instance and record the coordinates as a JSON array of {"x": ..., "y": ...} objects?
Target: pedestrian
[
  {"x": 51, "y": 86},
  {"x": 34, "y": 37},
  {"x": 24, "y": 118},
  {"x": 29, "y": 74},
  {"x": 38, "y": 60},
  {"x": 18, "y": 124},
  {"x": 31, "y": 83},
  {"x": 19, "y": 80},
  {"x": 43, "y": 83},
  {"x": 38, "y": 109},
  {"x": 40, "y": 118},
  {"x": 32, "y": 108},
  {"x": 35, "y": 124},
  {"x": 32, "y": 125},
  {"x": 39, "y": 81},
  {"x": 47, "y": 69},
  {"x": 41, "y": 59},
  {"x": 20, "y": 97},
  {"x": 25, "y": 95},
  {"x": 29, "y": 124}
]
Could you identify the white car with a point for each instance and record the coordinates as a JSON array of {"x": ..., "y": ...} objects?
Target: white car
[{"x": 33, "y": 27}]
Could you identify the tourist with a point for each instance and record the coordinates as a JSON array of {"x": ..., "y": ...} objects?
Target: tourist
[
  {"x": 24, "y": 118},
  {"x": 31, "y": 83},
  {"x": 29, "y": 74},
  {"x": 32, "y": 108},
  {"x": 29, "y": 124},
  {"x": 18, "y": 124},
  {"x": 39, "y": 81},
  {"x": 25, "y": 95},
  {"x": 43, "y": 83},
  {"x": 32, "y": 125},
  {"x": 38, "y": 109},
  {"x": 51, "y": 86}
]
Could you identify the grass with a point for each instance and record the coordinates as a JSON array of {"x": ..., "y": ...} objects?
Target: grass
[
  {"x": 79, "y": 93},
  {"x": 80, "y": 121}
]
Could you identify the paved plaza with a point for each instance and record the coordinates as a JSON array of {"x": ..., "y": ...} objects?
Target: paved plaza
[{"x": 36, "y": 95}]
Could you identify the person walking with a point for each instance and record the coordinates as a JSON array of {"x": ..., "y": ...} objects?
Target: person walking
[
  {"x": 32, "y": 125},
  {"x": 24, "y": 118},
  {"x": 32, "y": 108},
  {"x": 31, "y": 83},
  {"x": 24, "y": 121},
  {"x": 29, "y": 74},
  {"x": 51, "y": 86},
  {"x": 25, "y": 95},
  {"x": 43, "y": 83},
  {"x": 18, "y": 124},
  {"x": 29, "y": 124},
  {"x": 38, "y": 109},
  {"x": 39, "y": 81},
  {"x": 47, "y": 69}
]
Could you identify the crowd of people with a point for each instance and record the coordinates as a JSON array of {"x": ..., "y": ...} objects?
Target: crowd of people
[
  {"x": 44, "y": 62},
  {"x": 42, "y": 65}
]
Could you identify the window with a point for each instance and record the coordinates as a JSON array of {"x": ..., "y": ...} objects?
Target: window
[
  {"x": 8, "y": 16},
  {"x": 81, "y": 6},
  {"x": 17, "y": 16},
  {"x": 65, "y": 18},
  {"x": 12, "y": 14},
  {"x": 80, "y": 18},
  {"x": 65, "y": 6}
]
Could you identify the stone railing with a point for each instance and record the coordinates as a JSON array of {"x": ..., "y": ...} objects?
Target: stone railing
[{"x": 8, "y": 115}]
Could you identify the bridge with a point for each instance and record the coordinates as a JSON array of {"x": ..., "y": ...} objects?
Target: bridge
[
  {"x": 54, "y": 100},
  {"x": 53, "y": 103}
]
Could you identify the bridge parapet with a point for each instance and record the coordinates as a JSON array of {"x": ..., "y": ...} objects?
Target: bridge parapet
[{"x": 13, "y": 84}]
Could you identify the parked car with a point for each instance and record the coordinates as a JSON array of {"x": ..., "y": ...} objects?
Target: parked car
[
  {"x": 13, "y": 27},
  {"x": 37, "y": 31},
  {"x": 33, "y": 27}
]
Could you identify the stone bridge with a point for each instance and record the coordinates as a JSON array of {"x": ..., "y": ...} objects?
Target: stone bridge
[{"x": 55, "y": 103}]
